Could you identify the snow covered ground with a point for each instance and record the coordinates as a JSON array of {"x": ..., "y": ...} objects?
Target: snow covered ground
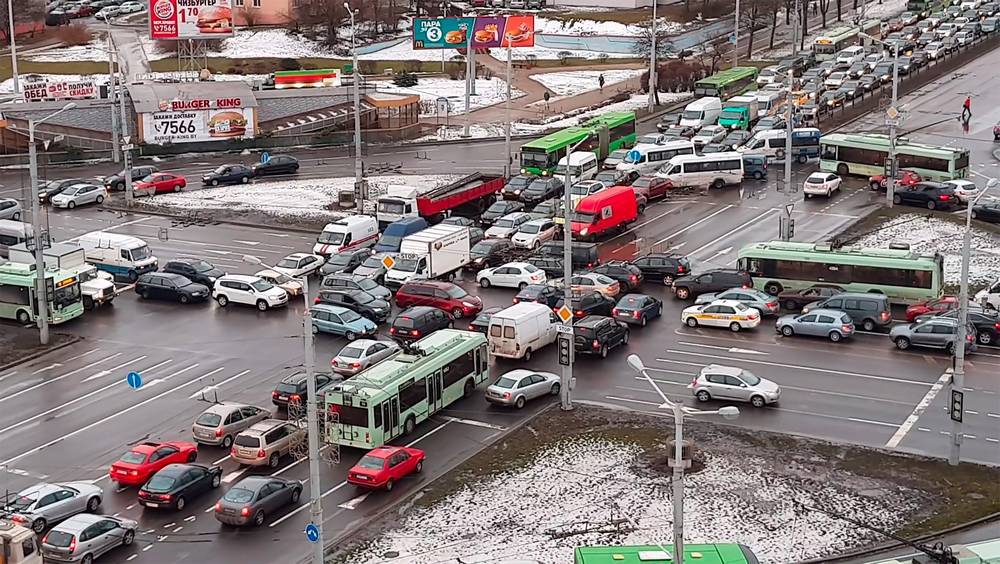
[
  {"x": 571, "y": 83},
  {"x": 489, "y": 91},
  {"x": 7, "y": 86},
  {"x": 569, "y": 493},
  {"x": 929, "y": 235},
  {"x": 584, "y": 27}
]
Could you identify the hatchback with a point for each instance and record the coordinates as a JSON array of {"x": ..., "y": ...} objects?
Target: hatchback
[
  {"x": 383, "y": 466},
  {"x": 416, "y": 322},
  {"x": 10, "y": 209},
  {"x": 518, "y": 386},
  {"x": 869, "y": 311},
  {"x": 652, "y": 187},
  {"x": 541, "y": 189},
  {"x": 172, "y": 287},
  {"x": 367, "y": 284},
  {"x": 533, "y": 233},
  {"x": 795, "y": 299},
  {"x": 500, "y": 209},
  {"x": 175, "y": 484},
  {"x": 84, "y": 537},
  {"x": 596, "y": 334},
  {"x": 195, "y": 270},
  {"x": 965, "y": 190},
  {"x": 762, "y": 302},
  {"x": 44, "y": 504},
  {"x": 985, "y": 322},
  {"x": 831, "y": 324},
  {"x": 255, "y": 497},
  {"x": 294, "y": 388},
  {"x": 821, "y": 184},
  {"x": 730, "y": 383},
  {"x": 936, "y": 333},
  {"x": 361, "y": 354},
  {"x": 228, "y": 174},
  {"x": 266, "y": 442},
  {"x": 345, "y": 261},
  {"x": 515, "y": 186},
  {"x": 338, "y": 320},
  {"x": 78, "y": 195},
  {"x": 248, "y": 290},
  {"x": 372, "y": 268},
  {"x": 441, "y": 295},
  {"x": 589, "y": 304},
  {"x": 637, "y": 309},
  {"x": 221, "y": 422},
  {"x": 932, "y": 195},
  {"x": 159, "y": 183},
  {"x": 588, "y": 283}
]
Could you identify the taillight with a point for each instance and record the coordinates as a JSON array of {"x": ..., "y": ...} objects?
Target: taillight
[
  {"x": 614, "y": 311},
  {"x": 944, "y": 197},
  {"x": 745, "y": 287},
  {"x": 392, "y": 330},
  {"x": 506, "y": 395},
  {"x": 245, "y": 512},
  {"x": 334, "y": 362},
  {"x": 595, "y": 344},
  {"x": 294, "y": 397},
  {"x": 165, "y": 497},
  {"x": 316, "y": 301},
  {"x": 884, "y": 315},
  {"x": 633, "y": 278},
  {"x": 72, "y": 545},
  {"x": 233, "y": 452},
  {"x": 261, "y": 453},
  {"x": 356, "y": 365},
  {"x": 415, "y": 333},
  {"x": 752, "y": 316},
  {"x": 637, "y": 314},
  {"x": 997, "y": 326},
  {"x": 846, "y": 327},
  {"x": 471, "y": 328},
  {"x": 772, "y": 305},
  {"x": 274, "y": 394},
  {"x": 218, "y": 432},
  {"x": 218, "y": 507},
  {"x": 516, "y": 300},
  {"x": 19, "y": 519},
  {"x": 680, "y": 269},
  {"x": 580, "y": 313},
  {"x": 46, "y": 539}
]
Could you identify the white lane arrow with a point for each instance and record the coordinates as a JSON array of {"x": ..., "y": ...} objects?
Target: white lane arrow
[
  {"x": 251, "y": 243},
  {"x": 203, "y": 391},
  {"x": 746, "y": 351},
  {"x": 354, "y": 503},
  {"x": 49, "y": 367},
  {"x": 218, "y": 252},
  {"x": 100, "y": 374},
  {"x": 677, "y": 246},
  {"x": 725, "y": 251},
  {"x": 154, "y": 382}
]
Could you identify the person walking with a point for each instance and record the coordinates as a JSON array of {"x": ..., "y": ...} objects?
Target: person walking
[
  {"x": 967, "y": 108},
  {"x": 600, "y": 81}
]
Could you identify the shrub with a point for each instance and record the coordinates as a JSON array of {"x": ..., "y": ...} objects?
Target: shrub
[
  {"x": 603, "y": 57},
  {"x": 405, "y": 79},
  {"x": 564, "y": 57},
  {"x": 74, "y": 34},
  {"x": 289, "y": 64}
]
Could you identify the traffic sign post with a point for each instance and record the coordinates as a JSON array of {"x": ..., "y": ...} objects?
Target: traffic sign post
[
  {"x": 265, "y": 156},
  {"x": 312, "y": 532},
  {"x": 134, "y": 380},
  {"x": 565, "y": 314}
]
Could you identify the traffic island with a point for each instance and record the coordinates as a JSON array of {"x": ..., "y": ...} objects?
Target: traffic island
[
  {"x": 597, "y": 476},
  {"x": 20, "y": 344}
]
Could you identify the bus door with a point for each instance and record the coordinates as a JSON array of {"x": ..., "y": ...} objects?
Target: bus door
[
  {"x": 435, "y": 390},
  {"x": 390, "y": 417}
]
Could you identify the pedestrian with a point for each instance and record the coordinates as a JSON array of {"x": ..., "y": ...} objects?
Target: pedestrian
[
  {"x": 600, "y": 81},
  {"x": 815, "y": 8},
  {"x": 967, "y": 108}
]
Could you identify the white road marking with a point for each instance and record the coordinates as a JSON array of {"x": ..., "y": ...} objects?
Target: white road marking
[
  {"x": 132, "y": 557},
  {"x": 5, "y": 397},
  {"x": 657, "y": 404},
  {"x": 110, "y": 227},
  {"x": 191, "y": 518},
  {"x": 228, "y": 478},
  {"x": 740, "y": 227},
  {"x": 727, "y": 349},
  {"x": 170, "y": 524},
  {"x": 969, "y": 411},
  {"x": 296, "y": 462},
  {"x": 352, "y": 504},
  {"x": 104, "y": 373},
  {"x": 725, "y": 251},
  {"x": 210, "y": 509},
  {"x": 903, "y": 429},
  {"x": 474, "y": 423},
  {"x": 699, "y": 222},
  {"x": 49, "y": 367},
  {"x": 147, "y": 547},
  {"x": 251, "y": 243},
  {"x": 221, "y": 460},
  {"x": 997, "y": 415},
  {"x": 924, "y": 429},
  {"x": 7, "y": 375},
  {"x": 130, "y": 507},
  {"x": 990, "y": 440},
  {"x": 81, "y": 355},
  {"x": 178, "y": 529}
]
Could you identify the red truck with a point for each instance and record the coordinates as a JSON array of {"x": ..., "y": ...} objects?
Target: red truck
[{"x": 468, "y": 196}]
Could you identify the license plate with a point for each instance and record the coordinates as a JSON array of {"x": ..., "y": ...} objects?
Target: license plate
[
  {"x": 121, "y": 471},
  {"x": 149, "y": 504},
  {"x": 283, "y": 398}
]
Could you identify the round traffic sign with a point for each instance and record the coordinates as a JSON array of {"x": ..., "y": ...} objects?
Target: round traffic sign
[
  {"x": 265, "y": 156},
  {"x": 134, "y": 380},
  {"x": 312, "y": 532}
]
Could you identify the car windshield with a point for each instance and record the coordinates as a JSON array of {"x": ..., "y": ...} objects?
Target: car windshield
[
  {"x": 201, "y": 266},
  {"x": 586, "y": 218},
  {"x": 616, "y": 155},
  {"x": 405, "y": 265},
  {"x": 529, "y": 228},
  {"x": 280, "y": 278},
  {"x": 238, "y": 495},
  {"x": 504, "y": 223},
  {"x": 731, "y": 115},
  {"x": 261, "y": 285},
  {"x": 351, "y": 352},
  {"x": 339, "y": 260},
  {"x": 642, "y": 182},
  {"x": 72, "y": 190},
  {"x": 373, "y": 262},
  {"x": 331, "y": 237},
  {"x": 60, "y": 539},
  {"x": 499, "y": 207},
  {"x": 209, "y": 419},
  {"x": 22, "y": 502},
  {"x": 221, "y": 169},
  {"x": 371, "y": 462},
  {"x": 505, "y": 382},
  {"x": 133, "y": 457},
  {"x": 519, "y": 182},
  {"x": 456, "y": 292},
  {"x": 544, "y": 208},
  {"x": 349, "y": 316},
  {"x": 750, "y": 378},
  {"x": 159, "y": 483}
]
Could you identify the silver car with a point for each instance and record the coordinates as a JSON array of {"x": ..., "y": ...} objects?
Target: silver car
[
  {"x": 219, "y": 424},
  {"x": 830, "y": 323},
  {"x": 731, "y": 383},
  {"x": 361, "y": 354},
  {"x": 254, "y": 497},
  {"x": 83, "y": 538},
  {"x": 761, "y": 301},
  {"x": 78, "y": 195},
  {"x": 935, "y": 333},
  {"x": 44, "y": 504},
  {"x": 518, "y": 386},
  {"x": 10, "y": 209}
]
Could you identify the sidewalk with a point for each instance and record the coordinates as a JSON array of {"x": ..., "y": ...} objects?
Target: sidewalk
[{"x": 131, "y": 55}]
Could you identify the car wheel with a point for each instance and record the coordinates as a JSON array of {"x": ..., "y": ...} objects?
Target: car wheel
[
  {"x": 835, "y": 336},
  {"x": 258, "y": 518},
  {"x": 388, "y": 485},
  {"x": 803, "y": 159},
  {"x": 682, "y": 293},
  {"x": 128, "y": 537},
  {"x": 790, "y": 304},
  {"x": 223, "y": 301},
  {"x": 773, "y": 288},
  {"x": 214, "y": 182},
  {"x": 71, "y": 204},
  {"x": 625, "y": 338},
  {"x": 896, "y": 199},
  {"x": 100, "y": 199},
  {"x": 120, "y": 186},
  {"x": 245, "y": 179},
  {"x": 875, "y": 186},
  {"x": 519, "y": 402},
  {"x": 419, "y": 467},
  {"x": 216, "y": 480},
  {"x": 691, "y": 322},
  {"x": 642, "y": 321},
  {"x": 351, "y": 336},
  {"x": 38, "y": 525},
  {"x": 902, "y": 343},
  {"x": 829, "y": 193},
  {"x": 757, "y": 401},
  {"x": 456, "y": 313},
  {"x": 779, "y": 154},
  {"x": 16, "y": 216},
  {"x": 180, "y": 503},
  {"x": 950, "y": 348},
  {"x": 527, "y": 355},
  {"x": 604, "y": 351},
  {"x": 734, "y": 327},
  {"x": 87, "y": 559},
  {"x": 23, "y": 317},
  {"x": 184, "y": 299},
  {"x": 984, "y": 338},
  {"x": 718, "y": 184},
  {"x": 177, "y": 188},
  {"x": 931, "y": 204},
  {"x": 93, "y": 504},
  {"x": 556, "y": 388},
  {"x": 703, "y": 396},
  {"x": 193, "y": 456},
  {"x": 522, "y": 286},
  {"x": 974, "y": 214},
  {"x": 410, "y": 423},
  {"x": 261, "y": 305},
  {"x": 227, "y": 442},
  {"x": 787, "y": 331},
  {"x": 315, "y": 329},
  {"x": 484, "y": 282},
  {"x": 274, "y": 460},
  {"x": 296, "y": 494},
  {"x": 668, "y": 280},
  {"x": 868, "y": 325},
  {"x": 758, "y": 175}
]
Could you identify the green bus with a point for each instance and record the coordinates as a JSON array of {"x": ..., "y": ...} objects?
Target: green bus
[
  {"x": 390, "y": 398},
  {"x": 727, "y": 83},
  {"x": 904, "y": 276},
  {"x": 926, "y": 7},
  {"x": 867, "y": 154},
  {"x": 721, "y": 553},
  {"x": 18, "y": 298},
  {"x": 827, "y": 45},
  {"x": 540, "y": 156}
]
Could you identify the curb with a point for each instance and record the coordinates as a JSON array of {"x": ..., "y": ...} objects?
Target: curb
[{"x": 39, "y": 354}]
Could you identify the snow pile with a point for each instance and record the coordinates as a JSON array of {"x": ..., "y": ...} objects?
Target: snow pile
[
  {"x": 577, "y": 493},
  {"x": 96, "y": 50},
  {"x": 489, "y": 91},
  {"x": 928, "y": 235},
  {"x": 571, "y": 83},
  {"x": 585, "y": 27},
  {"x": 276, "y": 43}
]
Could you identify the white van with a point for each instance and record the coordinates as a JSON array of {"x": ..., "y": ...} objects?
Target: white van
[
  {"x": 645, "y": 159},
  {"x": 715, "y": 170},
  {"x": 12, "y": 233},
  {"x": 120, "y": 255},
  {"x": 583, "y": 165},
  {"x": 703, "y": 111},
  {"x": 770, "y": 102},
  {"x": 353, "y": 231},
  {"x": 851, "y": 55},
  {"x": 989, "y": 297},
  {"x": 521, "y": 329},
  {"x": 773, "y": 142}
]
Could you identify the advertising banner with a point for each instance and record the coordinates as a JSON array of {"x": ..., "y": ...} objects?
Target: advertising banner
[
  {"x": 519, "y": 31},
  {"x": 60, "y": 90},
  {"x": 488, "y": 31},
  {"x": 194, "y": 125},
  {"x": 190, "y": 19},
  {"x": 482, "y": 31},
  {"x": 441, "y": 33}
]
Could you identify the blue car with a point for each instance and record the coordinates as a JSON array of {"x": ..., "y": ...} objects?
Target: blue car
[
  {"x": 340, "y": 321},
  {"x": 637, "y": 308}
]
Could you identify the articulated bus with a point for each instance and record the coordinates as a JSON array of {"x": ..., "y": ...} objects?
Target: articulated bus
[
  {"x": 390, "y": 398},
  {"x": 868, "y": 154},
  {"x": 541, "y": 155},
  {"x": 720, "y": 553},
  {"x": 903, "y": 276},
  {"x": 835, "y": 40},
  {"x": 727, "y": 83},
  {"x": 19, "y": 300}
]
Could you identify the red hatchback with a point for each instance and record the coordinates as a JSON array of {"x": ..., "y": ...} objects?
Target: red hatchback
[
  {"x": 940, "y": 305},
  {"x": 441, "y": 295},
  {"x": 159, "y": 183},
  {"x": 383, "y": 466},
  {"x": 905, "y": 178},
  {"x": 136, "y": 466}
]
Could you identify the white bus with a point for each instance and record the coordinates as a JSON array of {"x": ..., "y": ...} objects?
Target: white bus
[
  {"x": 13, "y": 233},
  {"x": 715, "y": 170},
  {"x": 773, "y": 142},
  {"x": 645, "y": 158}
]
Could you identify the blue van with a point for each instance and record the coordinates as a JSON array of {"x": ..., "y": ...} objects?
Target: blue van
[
  {"x": 393, "y": 235},
  {"x": 754, "y": 166}
]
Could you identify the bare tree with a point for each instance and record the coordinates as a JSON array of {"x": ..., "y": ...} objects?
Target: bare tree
[
  {"x": 712, "y": 55},
  {"x": 644, "y": 39},
  {"x": 804, "y": 22},
  {"x": 325, "y": 14},
  {"x": 24, "y": 11},
  {"x": 824, "y": 7},
  {"x": 755, "y": 18},
  {"x": 774, "y": 22},
  {"x": 839, "y": 10},
  {"x": 789, "y": 6}
]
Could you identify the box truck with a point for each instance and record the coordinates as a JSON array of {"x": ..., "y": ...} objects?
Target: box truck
[{"x": 436, "y": 252}]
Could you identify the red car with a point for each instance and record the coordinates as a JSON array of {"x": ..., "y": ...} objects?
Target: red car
[
  {"x": 441, "y": 295},
  {"x": 136, "y": 466},
  {"x": 906, "y": 178},
  {"x": 940, "y": 305},
  {"x": 160, "y": 182},
  {"x": 385, "y": 465}
]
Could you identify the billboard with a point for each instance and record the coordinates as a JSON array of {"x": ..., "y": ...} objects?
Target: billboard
[
  {"x": 481, "y": 31},
  {"x": 198, "y": 120},
  {"x": 190, "y": 19},
  {"x": 60, "y": 90}
]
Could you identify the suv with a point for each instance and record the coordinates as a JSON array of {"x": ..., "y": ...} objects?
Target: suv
[
  {"x": 628, "y": 275},
  {"x": 597, "y": 334},
  {"x": 663, "y": 266},
  {"x": 294, "y": 388},
  {"x": 935, "y": 333},
  {"x": 266, "y": 442},
  {"x": 711, "y": 281},
  {"x": 442, "y": 295},
  {"x": 218, "y": 424},
  {"x": 195, "y": 270},
  {"x": 249, "y": 290},
  {"x": 416, "y": 322},
  {"x": 345, "y": 261},
  {"x": 355, "y": 282},
  {"x": 358, "y": 301},
  {"x": 869, "y": 311},
  {"x": 117, "y": 181}
]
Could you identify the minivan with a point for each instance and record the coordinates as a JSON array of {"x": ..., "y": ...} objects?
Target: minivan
[
  {"x": 441, "y": 295},
  {"x": 583, "y": 165},
  {"x": 394, "y": 233},
  {"x": 870, "y": 311},
  {"x": 221, "y": 422},
  {"x": 754, "y": 166},
  {"x": 703, "y": 111},
  {"x": 851, "y": 55},
  {"x": 715, "y": 170},
  {"x": 521, "y": 329}
]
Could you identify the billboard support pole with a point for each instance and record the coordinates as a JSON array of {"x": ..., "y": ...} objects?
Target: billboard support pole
[
  {"x": 13, "y": 48},
  {"x": 127, "y": 174},
  {"x": 472, "y": 65},
  {"x": 468, "y": 84},
  {"x": 506, "y": 139},
  {"x": 115, "y": 147}
]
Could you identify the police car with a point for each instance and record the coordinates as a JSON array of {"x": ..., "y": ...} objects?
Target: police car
[{"x": 722, "y": 313}]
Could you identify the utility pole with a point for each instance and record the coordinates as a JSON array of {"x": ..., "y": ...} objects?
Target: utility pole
[
  {"x": 468, "y": 84},
  {"x": 565, "y": 398},
  {"x": 736, "y": 37},
  {"x": 893, "y": 114},
  {"x": 126, "y": 146},
  {"x": 795, "y": 29},
  {"x": 312, "y": 420},
  {"x": 652, "y": 64},
  {"x": 788, "y": 136},
  {"x": 13, "y": 48},
  {"x": 115, "y": 146},
  {"x": 506, "y": 136},
  {"x": 358, "y": 173}
]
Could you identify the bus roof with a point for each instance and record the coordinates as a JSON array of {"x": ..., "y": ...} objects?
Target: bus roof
[
  {"x": 611, "y": 119},
  {"x": 836, "y": 34},
  {"x": 903, "y": 144},
  {"x": 11, "y": 272},
  {"x": 824, "y": 252},
  {"x": 723, "y": 553},
  {"x": 730, "y": 75},
  {"x": 558, "y": 139}
]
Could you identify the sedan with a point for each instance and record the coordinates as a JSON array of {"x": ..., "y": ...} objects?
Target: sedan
[
  {"x": 45, "y": 504},
  {"x": 541, "y": 189},
  {"x": 935, "y": 306},
  {"x": 515, "y": 185},
  {"x": 852, "y": 89},
  {"x": 83, "y": 537},
  {"x": 481, "y": 323},
  {"x": 797, "y": 299},
  {"x": 175, "y": 484},
  {"x": 736, "y": 138},
  {"x": 340, "y": 321},
  {"x": 228, "y": 174},
  {"x": 730, "y": 383},
  {"x": 108, "y": 12},
  {"x": 722, "y": 313},
  {"x": 490, "y": 252},
  {"x": 361, "y": 354},
  {"x": 821, "y": 184},
  {"x": 145, "y": 459},
  {"x": 283, "y": 281},
  {"x": 518, "y": 386},
  {"x": 869, "y": 82},
  {"x": 637, "y": 308},
  {"x": 511, "y": 275},
  {"x": 709, "y": 134},
  {"x": 589, "y": 283},
  {"x": 159, "y": 183},
  {"x": 372, "y": 268},
  {"x": 539, "y": 293},
  {"x": 79, "y": 194},
  {"x": 832, "y": 99},
  {"x": 750, "y": 297},
  {"x": 254, "y": 497},
  {"x": 298, "y": 265},
  {"x": 831, "y": 324},
  {"x": 835, "y": 79},
  {"x": 932, "y": 195},
  {"x": 531, "y": 234},
  {"x": 614, "y": 158},
  {"x": 590, "y": 304},
  {"x": 277, "y": 164},
  {"x": 628, "y": 275},
  {"x": 383, "y": 466},
  {"x": 988, "y": 212},
  {"x": 613, "y": 177}
]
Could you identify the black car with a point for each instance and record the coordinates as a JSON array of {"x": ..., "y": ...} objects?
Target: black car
[
  {"x": 50, "y": 188},
  {"x": 988, "y": 212},
  {"x": 459, "y": 221},
  {"x": 117, "y": 181},
  {"x": 341, "y": 282},
  {"x": 512, "y": 190},
  {"x": 664, "y": 267},
  {"x": 168, "y": 286},
  {"x": 668, "y": 120},
  {"x": 539, "y": 293},
  {"x": 481, "y": 323},
  {"x": 583, "y": 255},
  {"x": 228, "y": 174},
  {"x": 175, "y": 484},
  {"x": 489, "y": 253},
  {"x": 931, "y": 195},
  {"x": 345, "y": 261},
  {"x": 598, "y": 334},
  {"x": 615, "y": 177},
  {"x": 870, "y": 82},
  {"x": 588, "y": 304},
  {"x": 857, "y": 69},
  {"x": 716, "y": 280},
  {"x": 499, "y": 209},
  {"x": 736, "y": 138},
  {"x": 542, "y": 189},
  {"x": 195, "y": 270},
  {"x": 476, "y": 235},
  {"x": 552, "y": 266},
  {"x": 56, "y": 18},
  {"x": 358, "y": 301},
  {"x": 295, "y": 388},
  {"x": 628, "y": 275},
  {"x": 986, "y": 323},
  {"x": 918, "y": 59},
  {"x": 852, "y": 89},
  {"x": 278, "y": 164},
  {"x": 797, "y": 299},
  {"x": 416, "y": 322}
]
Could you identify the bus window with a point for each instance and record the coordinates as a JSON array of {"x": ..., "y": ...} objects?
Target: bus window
[
  {"x": 829, "y": 152},
  {"x": 350, "y": 415}
]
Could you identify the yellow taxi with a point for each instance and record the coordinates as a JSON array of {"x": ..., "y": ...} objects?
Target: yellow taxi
[{"x": 722, "y": 313}]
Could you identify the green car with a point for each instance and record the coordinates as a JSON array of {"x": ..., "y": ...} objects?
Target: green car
[{"x": 340, "y": 321}]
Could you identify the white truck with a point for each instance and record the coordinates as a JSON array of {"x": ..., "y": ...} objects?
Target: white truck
[
  {"x": 521, "y": 329},
  {"x": 97, "y": 287},
  {"x": 435, "y": 252},
  {"x": 18, "y": 545},
  {"x": 989, "y": 297}
]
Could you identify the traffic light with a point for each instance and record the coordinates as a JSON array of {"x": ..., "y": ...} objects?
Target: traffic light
[
  {"x": 565, "y": 349},
  {"x": 957, "y": 403},
  {"x": 791, "y": 228}
]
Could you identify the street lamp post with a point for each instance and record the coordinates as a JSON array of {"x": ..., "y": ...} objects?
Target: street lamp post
[
  {"x": 892, "y": 114},
  {"x": 36, "y": 226},
  {"x": 312, "y": 416},
  {"x": 958, "y": 375},
  {"x": 13, "y": 47},
  {"x": 358, "y": 182},
  {"x": 652, "y": 62},
  {"x": 736, "y": 36},
  {"x": 680, "y": 411}
]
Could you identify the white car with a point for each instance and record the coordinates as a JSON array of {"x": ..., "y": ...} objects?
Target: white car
[
  {"x": 506, "y": 226},
  {"x": 78, "y": 195},
  {"x": 591, "y": 283},
  {"x": 873, "y": 59},
  {"x": 965, "y": 190},
  {"x": 283, "y": 281},
  {"x": 535, "y": 232},
  {"x": 722, "y": 313},
  {"x": 709, "y": 134},
  {"x": 299, "y": 264},
  {"x": 131, "y": 7},
  {"x": 835, "y": 80},
  {"x": 511, "y": 275},
  {"x": 360, "y": 354},
  {"x": 821, "y": 184},
  {"x": 248, "y": 290},
  {"x": 934, "y": 49}
]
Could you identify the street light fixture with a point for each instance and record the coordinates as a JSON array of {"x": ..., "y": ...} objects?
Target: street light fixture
[{"x": 728, "y": 412}]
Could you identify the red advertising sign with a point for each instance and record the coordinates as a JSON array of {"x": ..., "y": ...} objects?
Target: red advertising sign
[
  {"x": 190, "y": 19},
  {"x": 520, "y": 31},
  {"x": 59, "y": 90}
]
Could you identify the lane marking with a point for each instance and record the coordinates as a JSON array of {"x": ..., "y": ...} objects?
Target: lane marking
[
  {"x": 221, "y": 460},
  {"x": 727, "y": 234},
  {"x": 178, "y": 529},
  {"x": 734, "y": 350},
  {"x": 474, "y": 423},
  {"x": 117, "y": 226},
  {"x": 228, "y": 478},
  {"x": 66, "y": 375},
  {"x": 49, "y": 367},
  {"x": 189, "y": 519},
  {"x": 104, "y": 373},
  {"x": 699, "y": 222},
  {"x": 903, "y": 429},
  {"x": 352, "y": 504},
  {"x": 132, "y": 557},
  {"x": 81, "y": 355}
]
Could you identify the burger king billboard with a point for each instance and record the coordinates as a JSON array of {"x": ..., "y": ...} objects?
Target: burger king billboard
[
  {"x": 198, "y": 120},
  {"x": 190, "y": 19}
]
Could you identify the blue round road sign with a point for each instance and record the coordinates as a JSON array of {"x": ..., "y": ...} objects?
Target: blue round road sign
[
  {"x": 134, "y": 380},
  {"x": 265, "y": 156},
  {"x": 312, "y": 532},
  {"x": 634, "y": 155}
]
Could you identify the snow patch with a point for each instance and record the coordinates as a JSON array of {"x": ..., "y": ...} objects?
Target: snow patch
[
  {"x": 571, "y": 83},
  {"x": 585, "y": 27},
  {"x": 489, "y": 91}
]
